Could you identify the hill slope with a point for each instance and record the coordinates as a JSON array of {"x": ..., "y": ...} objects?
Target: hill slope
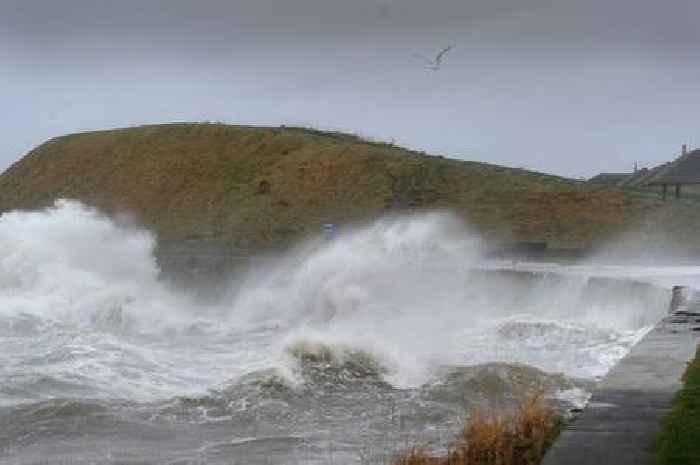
[{"x": 251, "y": 189}]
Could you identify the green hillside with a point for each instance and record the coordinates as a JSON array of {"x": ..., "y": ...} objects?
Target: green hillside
[{"x": 253, "y": 189}]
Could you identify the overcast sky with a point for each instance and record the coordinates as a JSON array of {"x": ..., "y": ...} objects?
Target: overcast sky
[{"x": 571, "y": 87}]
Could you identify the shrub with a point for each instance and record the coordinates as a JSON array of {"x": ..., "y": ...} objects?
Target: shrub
[{"x": 520, "y": 438}]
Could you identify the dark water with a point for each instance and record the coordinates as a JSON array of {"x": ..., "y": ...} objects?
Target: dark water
[{"x": 336, "y": 415}]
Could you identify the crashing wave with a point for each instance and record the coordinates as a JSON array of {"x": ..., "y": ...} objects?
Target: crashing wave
[
  {"x": 319, "y": 363},
  {"x": 536, "y": 333},
  {"x": 498, "y": 385}
]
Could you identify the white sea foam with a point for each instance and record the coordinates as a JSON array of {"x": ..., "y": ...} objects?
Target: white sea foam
[
  {"x": 70, "y": 263},
  {"x": 83, "y": 313},
  {"x": 407, "y": 290}
]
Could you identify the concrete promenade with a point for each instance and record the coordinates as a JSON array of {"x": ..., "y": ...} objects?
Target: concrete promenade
[{"x": 622, "y": 418}]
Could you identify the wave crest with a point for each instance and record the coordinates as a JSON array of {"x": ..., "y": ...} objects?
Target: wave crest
[{"x": 324, "y": 363}]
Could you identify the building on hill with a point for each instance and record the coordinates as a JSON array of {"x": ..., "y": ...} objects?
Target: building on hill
[
  {"x": 643, "y": 177},
  {"x": 609, "y": 179},
  {"x": 685, "y": 171}
]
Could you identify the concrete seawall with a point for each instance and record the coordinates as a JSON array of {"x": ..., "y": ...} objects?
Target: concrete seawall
[{"x": 623, "y": 417}]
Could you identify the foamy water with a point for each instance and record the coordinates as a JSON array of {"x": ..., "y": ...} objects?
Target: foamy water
[{"x": 84, "y": 316}]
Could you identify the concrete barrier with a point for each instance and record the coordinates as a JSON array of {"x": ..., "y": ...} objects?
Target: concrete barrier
[{"x": 623, "y": 416}]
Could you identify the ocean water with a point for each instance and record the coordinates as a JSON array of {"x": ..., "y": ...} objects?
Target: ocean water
[{"x": 342, "y": 351}]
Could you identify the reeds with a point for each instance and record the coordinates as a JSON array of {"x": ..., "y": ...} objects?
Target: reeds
[{"x": 519, "y": 438}]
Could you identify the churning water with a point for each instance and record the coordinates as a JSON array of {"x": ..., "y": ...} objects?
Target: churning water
[{"x": 340, "y": 352}]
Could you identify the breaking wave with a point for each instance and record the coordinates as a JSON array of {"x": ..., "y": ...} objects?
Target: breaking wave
[
  {"x": 84, "y": 314},
  {"x": 388, "y": 331},
  {"x": 414, "y": 293}
]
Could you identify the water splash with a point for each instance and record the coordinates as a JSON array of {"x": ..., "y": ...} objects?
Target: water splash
[
  {"x": 70, "y": 263},
  {"x": 84, "y": 314},
  {"x": 414, "y": 292},
  {"x": 316, "y": 348}
]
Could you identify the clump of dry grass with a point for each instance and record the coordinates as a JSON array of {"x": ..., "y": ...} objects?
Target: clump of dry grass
[
  {"x": 486, "y": 438},
  {"x": 536, "y": 427},
  {"x": 520, "y": 438}
]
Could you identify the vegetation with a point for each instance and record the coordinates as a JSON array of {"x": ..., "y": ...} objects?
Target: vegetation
[
  {"x": 493, "y": 439},
  {"x": 250, "y": 189},
  {"x": 679, "y": 441}
]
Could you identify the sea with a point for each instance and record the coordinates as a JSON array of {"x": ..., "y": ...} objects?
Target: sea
[{"x": 344, "y": 350}]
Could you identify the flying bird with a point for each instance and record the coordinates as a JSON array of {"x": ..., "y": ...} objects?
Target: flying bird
[{"x": 435, "y": 63}]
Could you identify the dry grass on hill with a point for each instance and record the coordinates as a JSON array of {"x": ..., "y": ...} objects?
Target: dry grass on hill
[{"x": 251, "y": 189}]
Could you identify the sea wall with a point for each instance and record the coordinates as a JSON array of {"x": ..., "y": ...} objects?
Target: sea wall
[{"x": 623, "y": 417}]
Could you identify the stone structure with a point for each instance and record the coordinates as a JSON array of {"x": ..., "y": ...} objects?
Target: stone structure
[
  {"x": 623, "y": 417},
  {"x": 609, "y": 179},
  {"x": 682, "y": 173}
]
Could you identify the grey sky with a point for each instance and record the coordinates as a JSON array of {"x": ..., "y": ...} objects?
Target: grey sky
[{"x": 570, "y": 87}]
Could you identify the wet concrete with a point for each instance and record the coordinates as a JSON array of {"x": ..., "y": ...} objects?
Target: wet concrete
[{"x": 623, "y": 417}]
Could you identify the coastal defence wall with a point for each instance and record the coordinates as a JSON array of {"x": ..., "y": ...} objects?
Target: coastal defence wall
[
  {"x": 211, "y": 271},
  {"x": 624, "y": 415}
]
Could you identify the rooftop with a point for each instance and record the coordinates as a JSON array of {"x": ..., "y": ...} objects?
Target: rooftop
[
  {"x": 685, "y": 170},
  {"x": 609, "y": 179}
]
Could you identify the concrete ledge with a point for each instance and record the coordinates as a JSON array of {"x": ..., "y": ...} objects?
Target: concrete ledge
[
  {"x": 623, "y": 417},
  {"x": 601, "y": 447}
]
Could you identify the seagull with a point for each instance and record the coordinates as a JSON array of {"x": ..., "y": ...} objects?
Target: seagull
[{"x": 436, "y": 63}]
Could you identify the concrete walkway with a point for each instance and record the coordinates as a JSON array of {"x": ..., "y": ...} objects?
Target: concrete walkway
[{"x": 622, "y": 418}]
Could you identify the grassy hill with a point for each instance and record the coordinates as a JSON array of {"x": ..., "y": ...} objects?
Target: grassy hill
[{"x": 252, "y": 189}]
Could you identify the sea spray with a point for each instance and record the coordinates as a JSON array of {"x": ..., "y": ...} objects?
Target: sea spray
[
  {"x": 385, "y": 333},
  {"x": 85, "y": 313},
  {"x": 412, "y": 290},
  {"x": 70, "y": 263}
]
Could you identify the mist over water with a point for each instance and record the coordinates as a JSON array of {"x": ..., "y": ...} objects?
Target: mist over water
[
  {"x": 398, "y": 315},
  {"x": 410, "y": 290}
]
